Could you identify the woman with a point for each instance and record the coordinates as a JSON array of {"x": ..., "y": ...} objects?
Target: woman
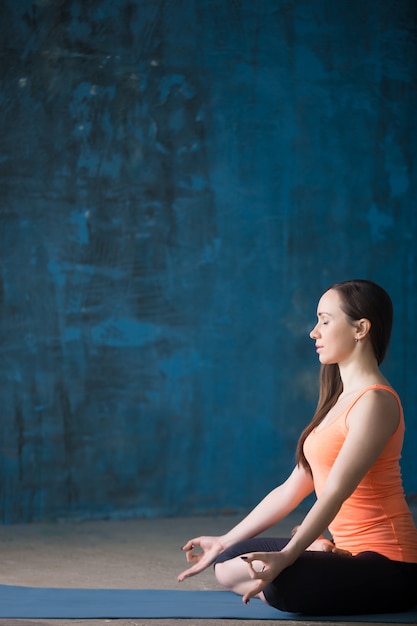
[{"x": 349, "y": 455}]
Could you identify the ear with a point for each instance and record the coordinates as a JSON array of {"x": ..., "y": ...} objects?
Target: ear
[{"x": 363, "y": 326}]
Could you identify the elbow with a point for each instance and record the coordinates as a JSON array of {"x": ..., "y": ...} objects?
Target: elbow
[{"x": 335, "y": 495}]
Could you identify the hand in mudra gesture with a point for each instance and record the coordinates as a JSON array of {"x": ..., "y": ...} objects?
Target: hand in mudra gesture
[
  {"x": 264, "y": 567},
  {"x": 202, "y": 551}
]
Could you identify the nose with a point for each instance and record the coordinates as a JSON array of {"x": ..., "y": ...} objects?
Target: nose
[{"x": 314, "y": 332}]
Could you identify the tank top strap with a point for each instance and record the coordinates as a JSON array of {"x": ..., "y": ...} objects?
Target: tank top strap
[{"x": 370, "y": 388}]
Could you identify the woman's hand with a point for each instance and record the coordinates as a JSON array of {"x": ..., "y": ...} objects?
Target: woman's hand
[
  {"x": 264, "y": 567},
  {"x": 273, "y": 563},
  {"x": 209, "y": 549}
]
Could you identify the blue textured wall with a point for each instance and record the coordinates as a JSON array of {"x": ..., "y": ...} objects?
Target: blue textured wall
[{"x": 179, "y": 181}]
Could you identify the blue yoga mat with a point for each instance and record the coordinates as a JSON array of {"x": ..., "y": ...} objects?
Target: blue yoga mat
[{"x": 54, "y": 603}]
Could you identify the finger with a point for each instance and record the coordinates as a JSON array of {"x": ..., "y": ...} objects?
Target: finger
[
  {"x": 256, "y": 589},
  {"x": 259, "y": 574},
  {"x": 192, "y": 571},
  {"x": 186, "y": 574},
  {"x": 190, "y": 545},
  {"x": 257, "y": 568},
  {"x": 202, "y": 562},
  {"x": 251, "y": 556},
  {"x": 192, "y": 557}
]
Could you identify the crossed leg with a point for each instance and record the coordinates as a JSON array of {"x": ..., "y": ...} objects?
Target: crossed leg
[{"x": 323, "y": 582}]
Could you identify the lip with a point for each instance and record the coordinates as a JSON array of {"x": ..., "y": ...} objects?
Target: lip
[{"x": 318, "y": 348}]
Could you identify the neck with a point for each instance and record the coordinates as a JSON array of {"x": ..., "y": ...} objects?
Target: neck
[{"x": 360, "y": 373}]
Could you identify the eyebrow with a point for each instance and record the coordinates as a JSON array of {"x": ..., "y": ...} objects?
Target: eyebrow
[{"x": 324, "y": 313}]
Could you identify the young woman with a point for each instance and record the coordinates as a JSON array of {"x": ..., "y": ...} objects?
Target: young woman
[{"x": 349, "y": 455}]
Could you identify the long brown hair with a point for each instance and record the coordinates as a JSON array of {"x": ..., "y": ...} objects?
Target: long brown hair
[{"x": 359, "y": 298}]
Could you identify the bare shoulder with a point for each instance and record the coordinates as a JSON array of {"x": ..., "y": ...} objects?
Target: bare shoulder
[{"x": 376, "y": 407}]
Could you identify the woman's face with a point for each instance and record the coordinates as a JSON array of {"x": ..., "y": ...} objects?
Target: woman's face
[{"x": 334, "y": 333}]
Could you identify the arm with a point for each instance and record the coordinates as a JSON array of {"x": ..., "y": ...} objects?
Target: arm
[
  {"x": 372, "y": 421},
  {"x": 273, "y": 508}
]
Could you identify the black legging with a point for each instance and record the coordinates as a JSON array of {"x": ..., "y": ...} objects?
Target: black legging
[{"x": 323, "y": 583}]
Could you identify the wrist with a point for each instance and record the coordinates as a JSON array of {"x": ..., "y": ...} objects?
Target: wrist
[
  {"x": 289, "y": 554},
  {"x": 226, "y": 541}
]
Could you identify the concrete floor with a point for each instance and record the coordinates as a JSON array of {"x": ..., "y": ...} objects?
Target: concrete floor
[{"x": 138, "y": 553}]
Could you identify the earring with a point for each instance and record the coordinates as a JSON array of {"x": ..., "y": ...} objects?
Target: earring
[{"x": 356, "y": 339}]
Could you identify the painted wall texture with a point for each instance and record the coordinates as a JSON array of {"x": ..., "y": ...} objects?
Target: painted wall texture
[{"x": 179, "y": 182}]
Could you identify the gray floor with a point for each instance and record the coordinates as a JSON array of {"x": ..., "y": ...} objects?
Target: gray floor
[{"x": 126, "y": 554}]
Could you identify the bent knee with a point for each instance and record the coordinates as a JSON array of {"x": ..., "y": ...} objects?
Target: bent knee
[
  {"x": 232, "y": 574},
  {"x": 223, "y": 574}
]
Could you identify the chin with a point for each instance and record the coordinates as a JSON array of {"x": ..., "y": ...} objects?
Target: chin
[{"x": 327, "y": 361}]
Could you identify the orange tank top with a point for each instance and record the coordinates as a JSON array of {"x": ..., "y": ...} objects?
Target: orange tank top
[{"x": 376, "y": 516}]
